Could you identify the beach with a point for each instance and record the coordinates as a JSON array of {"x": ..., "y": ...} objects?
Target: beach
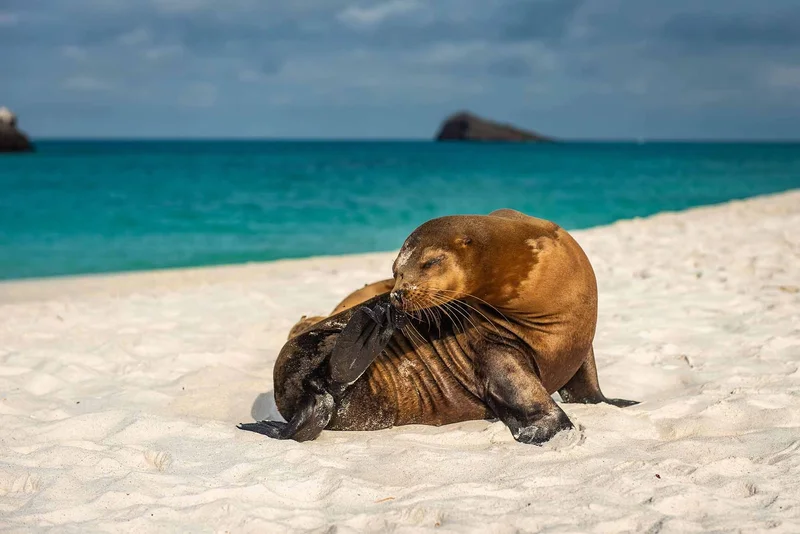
[{"x": 120, "y": 395}]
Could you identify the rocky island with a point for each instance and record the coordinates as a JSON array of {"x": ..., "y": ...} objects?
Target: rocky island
[
  {"x": 11, "y": 139},
  {"x": 465, "y": 126}
]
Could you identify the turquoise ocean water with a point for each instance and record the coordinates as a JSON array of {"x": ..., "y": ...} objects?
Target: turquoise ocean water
[{"x": 88, "y": 207}]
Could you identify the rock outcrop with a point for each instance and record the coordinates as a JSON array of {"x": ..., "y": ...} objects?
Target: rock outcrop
[
  {"x": 465, "y": 126},
  {"x": 11, "y": 139}
]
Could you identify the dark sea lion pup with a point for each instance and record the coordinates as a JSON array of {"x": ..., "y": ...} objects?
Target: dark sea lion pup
[
  {"x": 500, "y": 313},
  {"x": 322, "y": 376}
]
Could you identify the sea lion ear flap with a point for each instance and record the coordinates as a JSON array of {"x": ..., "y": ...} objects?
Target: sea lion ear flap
[
  {"x": 361, "y": 341},
  {"x": 464, "y": 241}
]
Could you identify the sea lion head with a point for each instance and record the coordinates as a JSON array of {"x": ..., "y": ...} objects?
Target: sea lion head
[{"x": 434, "y": 265}]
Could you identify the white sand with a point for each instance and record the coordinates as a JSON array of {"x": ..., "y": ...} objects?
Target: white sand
[{"x": 119, "y": 397}]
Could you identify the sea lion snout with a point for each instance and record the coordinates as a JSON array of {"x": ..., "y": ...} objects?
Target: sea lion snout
[
  {"x": 396, "y": 297},
  {"x": 400, "y": 297}
]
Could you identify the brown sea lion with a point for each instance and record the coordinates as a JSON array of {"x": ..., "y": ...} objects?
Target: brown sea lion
[{"x": 488, "y": 316}]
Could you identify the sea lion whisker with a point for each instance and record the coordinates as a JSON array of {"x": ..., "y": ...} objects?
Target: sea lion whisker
[
  {"x": 406, "y": 329},
  {"x": 455, "y": 317},
  {"x": 412, "y": 335},
  {"x": 411, "y": 306},
  {"x": 437, "y": 317},
  {"x": 414, "y": 331},
  {"x": 452, "y": 305},
  {"x": 427, "y": 315},
  {"x": 440, "y": 307},
  {"x": 440, "y": 310},
  {"x": 422, "y": 339},
  {"x": 448, "y": 304},
  {"x": 437, "y": 311},
  {"x": 434, "y": 310},
  {"x": 463, "y": 294},
  {"x": 431, "y": 317},
  {"x": 409, "y": 331},
  {"x": 471, "y": 307},
  {"x": 490, "y": 321},
  {"x": 429, "y": 310},
  {"x": 456, "y": 309}
]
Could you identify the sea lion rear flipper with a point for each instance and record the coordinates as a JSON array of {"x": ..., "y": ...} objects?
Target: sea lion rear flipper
[
  {"x": 584, "y": 388},
  {"x": 309, "y": 420},
  {"x": 361, "y": 341}
]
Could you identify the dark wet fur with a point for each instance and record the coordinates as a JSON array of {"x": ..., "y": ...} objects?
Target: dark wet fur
[
  {"x": 366, "y": 334},
  {"x": 362, "y": 340}
]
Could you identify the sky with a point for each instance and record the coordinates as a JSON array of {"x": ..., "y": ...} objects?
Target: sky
[{"x": 574, "y": 69}]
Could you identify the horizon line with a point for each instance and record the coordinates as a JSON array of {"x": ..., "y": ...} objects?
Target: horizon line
[{"x": 551, "y": 141}]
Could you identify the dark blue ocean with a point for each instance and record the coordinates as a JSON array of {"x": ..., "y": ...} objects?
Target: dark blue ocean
[{"x": 90, "y": 207}]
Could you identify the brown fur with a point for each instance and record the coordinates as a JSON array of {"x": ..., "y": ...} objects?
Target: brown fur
[{"x": 530, "y": 271}]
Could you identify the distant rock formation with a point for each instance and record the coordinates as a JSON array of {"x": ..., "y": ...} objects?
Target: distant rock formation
[
  {"x": 11, "y": 139},
  {"x": 465, "y": 126}
]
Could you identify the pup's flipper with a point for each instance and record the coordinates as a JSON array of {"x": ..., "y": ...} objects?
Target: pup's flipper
[
  {"x": 311, "y": 417},
  {"x": 362, "y": 340}
]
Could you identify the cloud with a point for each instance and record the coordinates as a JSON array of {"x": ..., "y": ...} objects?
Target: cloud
[
  {"x": 199, "y": 95},
  {"x": 538, "y": 19},
  {"x": 568, "y": 67},
  {"x": 74, "y": 52},
  {"x": 180, "y": 6},
  {"x": 778, "y": 28},
  {"x": 8, "y": 19},
  {"x": 785, "y": 77},
  {"x": 482, "y": 58},
  {"x": 86, "y": 83},
  {"x": 376, "y": 14},
  {"x": 160, "y": 53},
  {"x": 135, "y": 37},
  {"x": 249, "y": 75}
]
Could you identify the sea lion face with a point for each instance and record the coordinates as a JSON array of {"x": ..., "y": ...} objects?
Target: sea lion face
[{"x": 430, "y": 269}]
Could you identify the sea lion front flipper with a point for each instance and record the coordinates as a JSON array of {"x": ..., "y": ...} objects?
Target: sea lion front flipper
[
  {"x": 584, "y": 388},
  {"x": 367, "y": 333},
  {"x": 515, "y": 394},
  {"x": 312, "y": 415}
]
